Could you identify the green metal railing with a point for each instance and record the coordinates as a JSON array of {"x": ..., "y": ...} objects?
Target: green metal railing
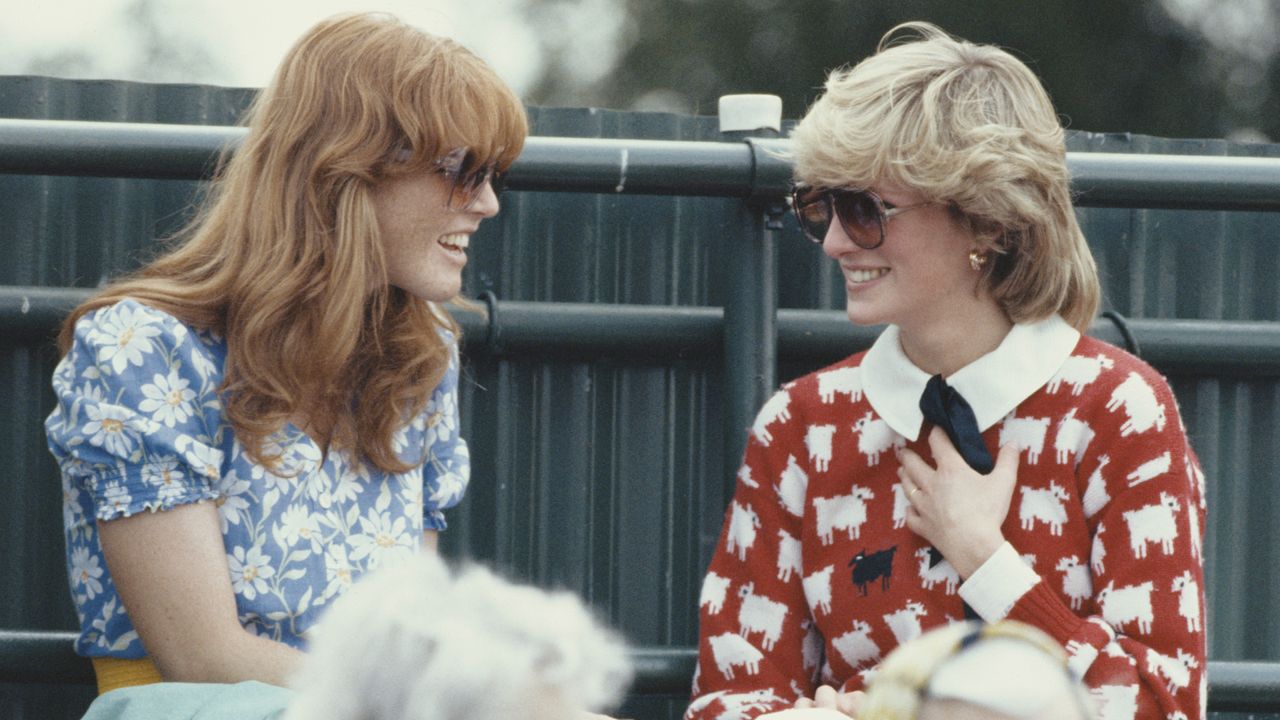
[{"x": 751, "y": 333}]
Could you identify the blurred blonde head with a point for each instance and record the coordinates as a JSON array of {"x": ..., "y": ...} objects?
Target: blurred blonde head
[
  {"x": 284, "y": 257},
  {"x": 970, "y": 126},
  {"x": 415, "y": 643},
  {"x": 968, "y": 670}
]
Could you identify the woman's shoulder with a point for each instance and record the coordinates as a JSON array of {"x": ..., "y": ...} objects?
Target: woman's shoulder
[
  {"x": 1099, "y": 363},
  {"x": 130, "y": 333},
  {"x": 819, "y": 386}
]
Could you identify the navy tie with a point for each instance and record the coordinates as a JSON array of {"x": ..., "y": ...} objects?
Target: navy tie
[{"x": 945, "y": 407}]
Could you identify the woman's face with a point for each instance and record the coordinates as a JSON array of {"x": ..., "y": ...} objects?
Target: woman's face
[
  {"x": 919, "y": 275},
  {"x": 424, "y": 242}
]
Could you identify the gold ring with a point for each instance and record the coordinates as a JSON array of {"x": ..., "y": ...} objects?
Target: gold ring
[{"x": 912, "y": 492}]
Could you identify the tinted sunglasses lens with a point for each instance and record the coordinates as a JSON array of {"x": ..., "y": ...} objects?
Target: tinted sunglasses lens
[
  {"x": 813, "y": 212},
  {"x": 468, "y": 184},
  {"x": 859, "y": 214}
]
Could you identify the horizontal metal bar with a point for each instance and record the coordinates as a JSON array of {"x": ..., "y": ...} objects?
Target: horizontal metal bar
[
  {"x": 732, "y": 169},
  {"x": 49, "y": 657},
  {"x": 664, "y": 333}
]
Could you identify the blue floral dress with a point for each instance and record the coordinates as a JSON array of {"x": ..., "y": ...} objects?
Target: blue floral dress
[{"x": 139, "y": 427}]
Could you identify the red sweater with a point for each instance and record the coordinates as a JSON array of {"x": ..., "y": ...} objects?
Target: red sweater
[{"x": 816, "y": 576}]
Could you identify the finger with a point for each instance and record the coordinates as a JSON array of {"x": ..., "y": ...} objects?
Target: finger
[
  {"x": 826, "y": 697},
  {"x": 942, "y": 447},
  {"x": 914, "y": 464},
  {"x": 1007, "y": 461},
  {"x": 851, "y": 702},
  {"x": 804, "y": 703}
]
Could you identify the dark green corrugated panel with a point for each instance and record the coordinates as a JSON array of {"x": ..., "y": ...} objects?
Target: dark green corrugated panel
[{"x": 603, "y": 475}]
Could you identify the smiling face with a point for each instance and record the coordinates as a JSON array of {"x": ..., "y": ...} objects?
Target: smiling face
[
  {"x": 423, "y": 241},
  {"x": 920, "y": 275}
]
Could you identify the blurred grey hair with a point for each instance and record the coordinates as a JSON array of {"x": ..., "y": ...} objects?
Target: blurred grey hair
[
  {"x": 412, "y": 642},
  {"x": 971, "y": 126}
]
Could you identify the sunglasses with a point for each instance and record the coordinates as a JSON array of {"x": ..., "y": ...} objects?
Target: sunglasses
[
  {"x": 862, "y": 213},
  {"x": 466, "y": 178}
]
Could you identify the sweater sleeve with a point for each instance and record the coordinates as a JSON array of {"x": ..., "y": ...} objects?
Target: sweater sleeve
[
  {"x": 757, "y": 650},
  {"x": 1140, "y": 645}
]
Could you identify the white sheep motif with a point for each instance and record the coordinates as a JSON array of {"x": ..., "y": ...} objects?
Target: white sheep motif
[
  {"x": 1099, "y": 552},
  {"x": 776, "y": 409},
  {"x": 1177, "y": 671},
  {"x": 1045, "y": 505},
  {"x": 1080, "y": 656},
  {"x": 1139, "y": 403},
  {"x": 856, "y": 646},
  {"x": 758, "y": 613},
  {"x": 875, "y": 437},
  {"x": 714, "y": 589},
  {"x": 1127, "y": 604},
  {"x": 841, "y": 380},
  {"x": 905, "y": 623},
  {"x": 1072, "y": 439},
  {"x": 789, "y": 555},
  {"x": 843, "y": 512},
  {"x": 730, "y": 650},
  {"x": 900, "y": 504},
  {"x": 817, "y": 589},
  {"x": 943, "y": 572},
  {"x": 817, "y": 440},
  {"x": 1188, "y": 599},
  {"x": 1153, "y": 523},
  {"x": 1027, "y": 434},
  {"x": 1076, "y": 583},
  {"x": 744, "y": 476},
  {"x": 1152, "y": 468},
  {"x": 743, "y": 523},
  {"x": 792, "y": 486},
  {"x": 1115, "y": 702},
  {"x": 1095, "y": 492},
  {"x": 1079, "y": 372}
]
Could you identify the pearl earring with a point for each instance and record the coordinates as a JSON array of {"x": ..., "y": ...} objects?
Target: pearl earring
[{"x": 977, "y": 259}]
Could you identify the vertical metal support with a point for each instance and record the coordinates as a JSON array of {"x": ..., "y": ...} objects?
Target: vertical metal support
[
  {"x": 750, "y": 330},
  {"x": 751, "y": 290}
]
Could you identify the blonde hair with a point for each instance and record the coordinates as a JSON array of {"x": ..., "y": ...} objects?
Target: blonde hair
[
  {"x": 284, "y": 257},
  {"x": 971, "y": 126},
  {"x": 1028, "y": 673}
]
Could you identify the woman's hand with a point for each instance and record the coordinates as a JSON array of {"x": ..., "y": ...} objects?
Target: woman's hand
[
  {"x": 954, "y": 507},
  {"x": 829, "y": 698}
]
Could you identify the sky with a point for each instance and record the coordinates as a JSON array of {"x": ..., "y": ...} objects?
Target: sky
[{"x": 239, "y": 42}]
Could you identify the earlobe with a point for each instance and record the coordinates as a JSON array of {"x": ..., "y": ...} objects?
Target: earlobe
[{"x": 977, "y": 259}]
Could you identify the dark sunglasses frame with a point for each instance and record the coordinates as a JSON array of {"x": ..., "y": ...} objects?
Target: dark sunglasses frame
[{"x": 856, "y": 210}]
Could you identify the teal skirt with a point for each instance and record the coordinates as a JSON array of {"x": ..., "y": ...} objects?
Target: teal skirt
[{"x": 192, "y": 701}]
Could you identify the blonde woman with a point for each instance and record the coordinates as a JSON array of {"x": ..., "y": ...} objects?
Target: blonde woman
[
  {"x": 971, "y": 671},
  {"x": 269, "y": 410},
  {"x": 983, "y": 458}
]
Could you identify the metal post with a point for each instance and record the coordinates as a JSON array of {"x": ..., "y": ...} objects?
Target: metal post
[{"x": 751, "y": 289}]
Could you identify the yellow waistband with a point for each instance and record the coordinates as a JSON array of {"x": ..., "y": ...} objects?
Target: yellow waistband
[{"x": 115, "y": 673}]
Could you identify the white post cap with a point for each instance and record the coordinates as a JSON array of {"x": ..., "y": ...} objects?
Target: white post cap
[{"x": 750, "y": 112}]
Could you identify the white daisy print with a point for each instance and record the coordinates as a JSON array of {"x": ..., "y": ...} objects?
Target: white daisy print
[
  {"x": 339, "y": 572},
  {"x": 124, "y": 336},
  {"x": 166, "y": 474},
  {"x": 116, "y": 499},
  {"x": 168, "y": 399},
  {"x": 379, "y": 538},
  {"x": 85, "y": 572},
  {"x": 298, "y": 524},
  {"x": 233, "y": 500},
  {"x": 108, "y": 428},
  {"x": 249, "y": 572}
]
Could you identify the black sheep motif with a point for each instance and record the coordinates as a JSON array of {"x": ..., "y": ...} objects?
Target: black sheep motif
[{"x": 867, "y": 568}]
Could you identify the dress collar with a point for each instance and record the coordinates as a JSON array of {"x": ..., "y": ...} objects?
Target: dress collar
[{"x": 993, "y": 384}]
